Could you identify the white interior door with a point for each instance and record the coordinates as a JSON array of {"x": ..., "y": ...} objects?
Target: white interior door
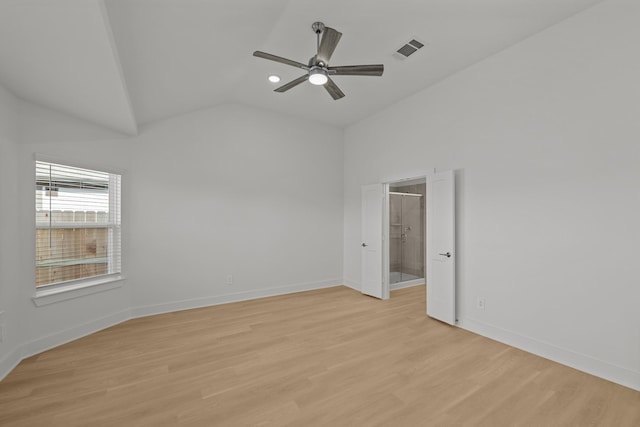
[
  {"x": 371, "y": 245},
  {"x": 441, "y": 254}
]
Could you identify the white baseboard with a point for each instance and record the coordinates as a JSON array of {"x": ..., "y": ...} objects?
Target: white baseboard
[
  {"x": 10, "y": 361},
  {"x": 149, "y": 310},
  {"x": 578, "y": 361},
  {"x": 581, "y": 362},
  {"x": 352, "y": 284},
  {"x": 406, "y": 284},
  {"x": 56, "y": 339}
]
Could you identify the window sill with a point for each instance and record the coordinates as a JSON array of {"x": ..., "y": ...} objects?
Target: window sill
[{"x": 76, "y": 290}]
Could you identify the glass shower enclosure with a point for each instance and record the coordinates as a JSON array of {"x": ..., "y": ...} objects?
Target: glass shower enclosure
[{"x": 406, "y": 233}]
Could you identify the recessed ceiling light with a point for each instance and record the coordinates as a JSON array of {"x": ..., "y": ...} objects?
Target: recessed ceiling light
[{"x": 274, "y": 79}]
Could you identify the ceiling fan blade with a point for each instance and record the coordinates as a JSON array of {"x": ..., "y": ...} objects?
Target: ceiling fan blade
[
  {"x": 333, "y": 89},
  {"x": 330, "y": 39},
  {"x": 292, "y": 83},
  {"x": 280, "y": 59},
  {"x": 358, "y": 70}
]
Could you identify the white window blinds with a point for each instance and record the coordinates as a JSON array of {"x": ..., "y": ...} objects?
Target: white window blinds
[{"x": 78, "y": 224}]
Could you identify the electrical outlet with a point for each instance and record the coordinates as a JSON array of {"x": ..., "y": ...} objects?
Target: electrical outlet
[
  {"x": 480, "y": 303},
  {"x": 229, "y": 279}
]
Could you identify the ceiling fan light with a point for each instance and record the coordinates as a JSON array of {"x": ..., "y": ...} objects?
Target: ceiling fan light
[
  {"x": 317, "y": 76},
  {"x": 273, "y": 78}
]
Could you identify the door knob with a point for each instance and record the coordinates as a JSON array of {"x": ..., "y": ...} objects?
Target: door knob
[
  {"x": 448, "y": 254},
  {"x": 364, "y": 245}
]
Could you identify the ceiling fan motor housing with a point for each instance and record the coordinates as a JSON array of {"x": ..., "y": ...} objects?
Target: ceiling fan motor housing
[{"x": 317, "y": 27}]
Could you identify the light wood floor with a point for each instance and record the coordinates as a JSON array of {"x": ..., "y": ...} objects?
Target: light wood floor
[{"x": 322, "y": 358}]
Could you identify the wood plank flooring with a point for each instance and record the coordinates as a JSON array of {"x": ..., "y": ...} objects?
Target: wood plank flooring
[{"x": 331, "y": 357}]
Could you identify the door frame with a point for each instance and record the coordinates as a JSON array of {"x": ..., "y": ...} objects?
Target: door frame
[{"x": 426, "y": 175}]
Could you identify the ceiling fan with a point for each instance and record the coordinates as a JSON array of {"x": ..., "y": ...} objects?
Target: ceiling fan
[{"x": 318, "y": 69}]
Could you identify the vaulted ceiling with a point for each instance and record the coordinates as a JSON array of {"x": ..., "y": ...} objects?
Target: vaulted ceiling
[{"x": 124, "y": 63}]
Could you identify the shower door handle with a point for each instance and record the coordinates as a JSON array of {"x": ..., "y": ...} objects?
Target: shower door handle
[
  {"x": 364, "y": 245},
  {"x": 448, "y": 254}
]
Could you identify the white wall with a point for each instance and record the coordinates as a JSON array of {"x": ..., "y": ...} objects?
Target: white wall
[
  {"x": 9, "y": 215},
  {"x": 77, "y": 142},
  {"x": 233, "y": 190},
  {"x": 228, "y": 190},
  {"x": 545, "y": 136}
]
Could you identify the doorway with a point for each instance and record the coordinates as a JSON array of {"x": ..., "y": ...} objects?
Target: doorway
[
  {"x": 407, "y": 223},
  {"x": 440, "y": 254}
]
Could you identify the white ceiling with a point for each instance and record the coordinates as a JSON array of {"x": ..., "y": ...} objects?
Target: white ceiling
[{"x": 123, "y": 63}]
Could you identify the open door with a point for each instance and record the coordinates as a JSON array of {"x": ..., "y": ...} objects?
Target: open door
[
  {"x": 372, "y": 208},
  {"x": 441, "y": 255}
]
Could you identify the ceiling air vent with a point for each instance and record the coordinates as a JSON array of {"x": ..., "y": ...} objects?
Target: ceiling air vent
[{"x": 408, "y": 49}]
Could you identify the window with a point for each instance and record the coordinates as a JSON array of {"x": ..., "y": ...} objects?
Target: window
[{"x": 78, "y": 224}]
